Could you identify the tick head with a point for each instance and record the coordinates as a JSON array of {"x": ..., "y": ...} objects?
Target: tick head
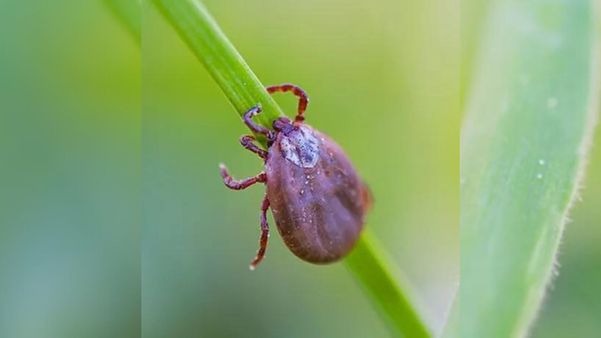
[{"x": 283, "y": 124}]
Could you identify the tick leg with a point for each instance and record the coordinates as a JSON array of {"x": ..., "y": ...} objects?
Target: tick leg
[
  {"x": 264, "y": 235},
  {"x": 247, "y": 141},
  {"x": 231, "y": 183},
  {"x": 303, "y": 99},
  {"x": 255, "y": 127}
]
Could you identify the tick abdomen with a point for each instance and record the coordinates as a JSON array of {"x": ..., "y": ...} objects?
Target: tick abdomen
[{"x": 316, "y": 197}]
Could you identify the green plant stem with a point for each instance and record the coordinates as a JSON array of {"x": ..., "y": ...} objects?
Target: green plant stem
[
  {"x": 386, "y": 286},
  {"x": 195, "y": 25},
  {"x": 202, "y": 34}
]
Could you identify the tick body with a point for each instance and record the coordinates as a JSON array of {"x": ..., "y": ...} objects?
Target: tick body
[{"x": 317, "y": 199}]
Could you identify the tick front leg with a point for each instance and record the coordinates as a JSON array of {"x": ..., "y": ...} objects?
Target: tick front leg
[
  {"x": 231, "y": 183},
  {"x": 247, "y": 141},
  {"x": 303, "y": 99},
  {"x": 247, "y": 117},
  {"x": 264, "y": 235}
]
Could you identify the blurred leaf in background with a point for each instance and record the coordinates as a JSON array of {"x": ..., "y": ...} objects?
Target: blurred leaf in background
[{"x": 572, "y": 302}]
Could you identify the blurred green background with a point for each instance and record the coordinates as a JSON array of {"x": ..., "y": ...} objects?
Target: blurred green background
[
  {"x": 107, "y": 151},
  {"x": 69, "y": 172}
]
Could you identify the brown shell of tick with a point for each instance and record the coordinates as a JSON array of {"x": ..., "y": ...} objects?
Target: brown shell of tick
[{"x": 317, "y": 199}]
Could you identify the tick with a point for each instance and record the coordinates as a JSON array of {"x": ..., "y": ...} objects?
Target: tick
[{"x": 317, "y": 199}]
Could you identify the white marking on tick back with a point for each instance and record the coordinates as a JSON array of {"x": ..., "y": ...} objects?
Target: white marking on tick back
[
  {"x": 301, "y": 147},
  {"x": 541, "y": 162},
  {"x": 539, "y": 176}
]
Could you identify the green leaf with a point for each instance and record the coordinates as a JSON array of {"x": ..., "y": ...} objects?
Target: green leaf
[
  {"x": 529, "y": 121},
  {"x": 375, "y": 273}
]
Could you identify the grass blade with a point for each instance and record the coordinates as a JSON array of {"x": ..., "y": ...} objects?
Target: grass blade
[
  {"x": 206, "y": 39},
  {"x": 386, "y": 286},
  {"x": 243, "y": 89},
  {"x": 529, "y": 123}
]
